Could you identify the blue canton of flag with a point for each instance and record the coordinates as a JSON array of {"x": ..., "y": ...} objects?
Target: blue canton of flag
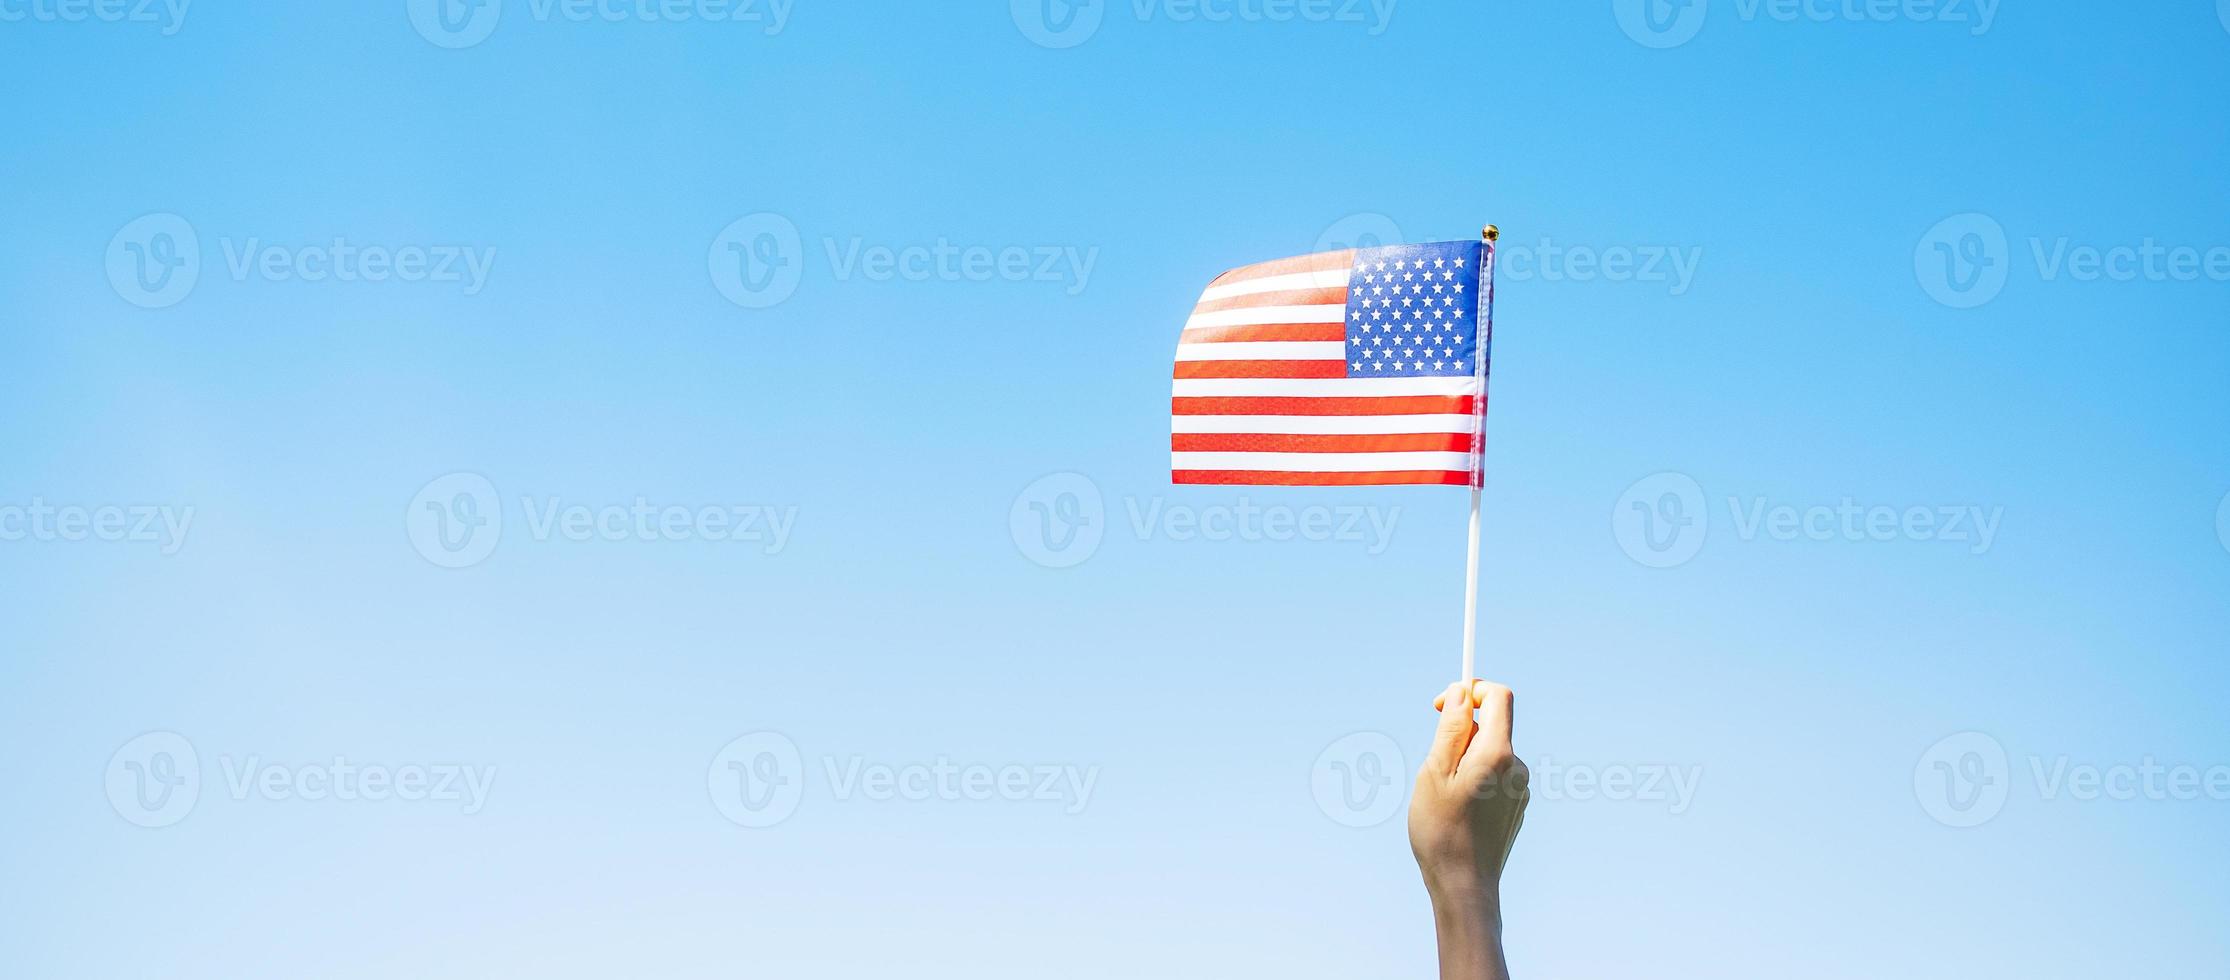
[{"x": 1413, "y": 311}]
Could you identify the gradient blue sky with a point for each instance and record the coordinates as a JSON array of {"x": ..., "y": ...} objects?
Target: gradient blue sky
[{"x": 1805, "y": 163}]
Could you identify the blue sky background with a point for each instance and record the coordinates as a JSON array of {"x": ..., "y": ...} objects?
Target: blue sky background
[{"x": 1803, "y": 163}]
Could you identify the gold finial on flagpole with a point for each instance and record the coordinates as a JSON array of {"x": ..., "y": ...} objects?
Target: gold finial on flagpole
[{"x": 1490, "y": 233}]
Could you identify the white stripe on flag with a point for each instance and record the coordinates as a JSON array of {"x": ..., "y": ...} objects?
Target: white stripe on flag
[
  {"x": 1265, "y": 350},
  {"x": 1321, "y": 462},
  {"x": 1326, "y": 279},
  {"x": 1320, "y": 425},
  {"x": 1313, "y": 313},
  {"x": 1326, "y": 387}
]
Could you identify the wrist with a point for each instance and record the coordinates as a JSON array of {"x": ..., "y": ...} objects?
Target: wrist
[
  {"x": 1465, "y": 895},
  {"x": 1463, "y": 882}
]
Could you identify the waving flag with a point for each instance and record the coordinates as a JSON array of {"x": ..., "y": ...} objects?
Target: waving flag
[{"x": 1361, "y": 366}]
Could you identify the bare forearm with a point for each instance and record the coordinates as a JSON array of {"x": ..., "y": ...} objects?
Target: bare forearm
[{"x": 1469, "y": 926}]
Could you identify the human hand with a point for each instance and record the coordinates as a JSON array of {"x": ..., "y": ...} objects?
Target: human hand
[{"x": 1470, "y": 798}]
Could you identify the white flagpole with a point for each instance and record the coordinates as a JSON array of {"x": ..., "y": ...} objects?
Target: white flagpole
[
  {"x": 1487, "y": 239},
  {"x": 1471, "y": 596}
]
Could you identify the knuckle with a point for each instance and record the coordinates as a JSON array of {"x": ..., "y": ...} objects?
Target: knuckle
[
  {"x": 1500, "y": 774},
  {"x": 1502, "y": 767}
]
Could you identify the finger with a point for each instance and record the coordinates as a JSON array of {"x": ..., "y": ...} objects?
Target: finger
[
  {"x": 1454, "y": 733},
  {"x": 1495, "y": 706},
  {"x": 1440, "y": 700}
]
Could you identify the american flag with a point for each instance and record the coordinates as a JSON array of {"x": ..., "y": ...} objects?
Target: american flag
[{"x": 1361, "y": 366}]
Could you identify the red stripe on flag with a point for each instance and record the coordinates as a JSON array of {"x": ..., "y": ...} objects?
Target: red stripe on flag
[
  {"x": 1261, "y": 369},
  {"x": 1264, "y": 331},
  {"x": 1300, "y": 263},
  {"x": 1263, "y": 442},
  {"x": 1275, "y": 405},
  {"x": 1328, "y": 296},
  {"x": 1447, "y": 478}
]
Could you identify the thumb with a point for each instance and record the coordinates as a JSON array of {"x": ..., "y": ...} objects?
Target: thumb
[{"x": 1454, "y": 733}]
